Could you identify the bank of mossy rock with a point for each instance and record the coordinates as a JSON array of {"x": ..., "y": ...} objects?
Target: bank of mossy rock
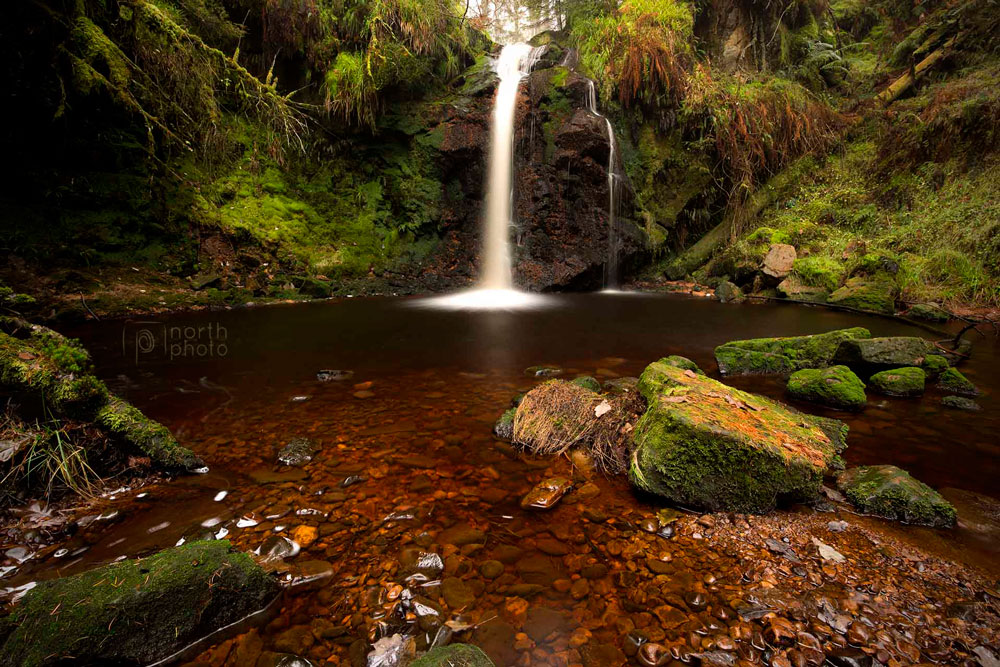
[
  {"x": 794, "y": 289},
  {"x": 454, "y": 655},
  {"x": 41, "y": 364},
  {"x": 836, "y": 387},
  {"x": 953, "y": 382},
  {"x": 891, "y": 493},
  {"x": 136, "y": 612},
  {"x": 901, "y": 382},
  {"x": 928, "y": 312},
  {"x": 876, "y": 296},
  {"x": 783, "y": 355},
  {"x": 682, "y": 363},
  {"x": 872, "y": 355},
  {"x": 705, "y": 445}
]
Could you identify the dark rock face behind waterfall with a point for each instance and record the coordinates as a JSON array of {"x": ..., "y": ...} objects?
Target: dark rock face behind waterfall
[{"x": 560, "y": 238}]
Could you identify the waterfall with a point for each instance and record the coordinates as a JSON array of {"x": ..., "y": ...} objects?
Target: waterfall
[
  {"x": 495, "y": 288},
  {"x": 514, "y": 64},
  {"x": 611, "y": 271}
]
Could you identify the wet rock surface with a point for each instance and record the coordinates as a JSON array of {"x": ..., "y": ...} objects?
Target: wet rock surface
[
  {"x": 705, "y": 445},
  {"x": 783, "y": 355},
  {"x": 892, "y": 493},
  {"x": 835, "y": 386}
]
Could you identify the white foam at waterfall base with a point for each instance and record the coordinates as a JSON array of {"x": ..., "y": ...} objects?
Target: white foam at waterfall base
[{"x": 496, "y": 284}]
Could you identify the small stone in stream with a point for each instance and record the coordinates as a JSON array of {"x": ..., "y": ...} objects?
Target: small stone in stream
[
  {"x": 623, "y": 385},
  {"x": 871, "y": 355},
  {"x": 666, "y": 531},
  {"x": 587, "y": 491},
  {"x": 542, "y": 622},
  {"x": 298, "y": 452},
  {"x": 953, "y": 382},
  {"x": 456, "y": 593},
  {"x": 305, "y": 535},
  {"x": 543, "y": 371},
  {"x": 596, "y": 571},
  {"x": 649, "y": 525},
  {"x": 491, "y": 569},
  {"x": 524, "y": 590},
  {"x": 960, "y": 403},
  {"x": 461, "y": 535},
  {"x": 695, "y": 601},
  {"x": 298, "y": 399},
  {"x": 421, "y": 483},
  {"x": 901, "y": 382},
  {"x": 546, "y": 494},
  {"x": 278, "y": 547},
  {"x": 848, "y": 657},
  {"x": 288, "y": 660},
  {"x": 508, "y": 554},
  {"x": 364, "y": 393},
  {"x": 392, "y": 651},
  {"x": 333, "y": 375},
  {"x": 782, "y": 550},
  {"x": 504, "y": 426},
  {"x": 837, "y": 526},
  {"x": 651, "y": 654},
  {"x": 891, "y": 493},
  {"x": 827, "y": 552},
  {"x": 351, "y": 480},
  {"x": 716, "y": 658},
  {"x": 595, "y": 515},
  {"x": 416, "y": 561}
]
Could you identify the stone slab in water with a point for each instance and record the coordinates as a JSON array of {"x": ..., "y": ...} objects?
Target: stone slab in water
[
  {"x": 872, "y": 355},
  {"x": 783, "y": 355},
  {"x": 703, "y": 444},
  {"x": 136, "y": 611},
  {"x": 835, "y": 386},
  {"x": 889, "y": 492},
  {"x": 899, "y": 382}
]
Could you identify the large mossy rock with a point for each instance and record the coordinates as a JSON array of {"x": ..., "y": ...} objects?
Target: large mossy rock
[
  {"x": 953, "y": 382},
  {"x": 836, "y": 386},
  {"x": 454, "y": 655},
  {"x": 705, "y": 445},
  {"x": 136, "y": 612},
  {"x": 889, "y": 492},
  {"x": 871, "y": 355},
  {"x": 877, "y": 296},
  {"x": 783, "y": 355},
  {"x": 899, "y": 382}
]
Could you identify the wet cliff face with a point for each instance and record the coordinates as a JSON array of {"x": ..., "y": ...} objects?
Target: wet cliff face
[{"x": 561, "y": 233}]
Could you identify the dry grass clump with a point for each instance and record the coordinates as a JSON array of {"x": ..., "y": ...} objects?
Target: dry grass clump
[{"x": 558, "y": 416}]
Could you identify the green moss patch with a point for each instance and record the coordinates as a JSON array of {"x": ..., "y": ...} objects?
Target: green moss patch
[
  {"x": 783, "y": 355},
  {"x": 876, "y": 296},
  {"x": 836, "y": 386},
  {"x": 891, "y": 493},
  {"x": 124, "y": 421},
  {"x": 454, "y": 655},
  {"x": 952, "y": 381},
  {"x": 899, "y": 382},
  {"x": 934, "y": 365},
  {"x": 703, "y": 444},
  {"x": 682, "y": 363},
  {"x": 136, "y": 611}
]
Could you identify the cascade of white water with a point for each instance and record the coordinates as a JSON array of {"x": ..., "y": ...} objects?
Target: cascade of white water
[
  {"x": 515, "y": 62},
  {"x": 495, "y": 288},
  {"x": 611, "y": 275}
]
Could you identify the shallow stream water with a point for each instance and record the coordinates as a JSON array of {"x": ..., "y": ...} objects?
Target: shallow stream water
[{"x": 406, "y": 460}]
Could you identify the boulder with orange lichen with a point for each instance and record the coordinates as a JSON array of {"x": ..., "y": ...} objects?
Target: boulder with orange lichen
[{"x": 706, "y": 445}]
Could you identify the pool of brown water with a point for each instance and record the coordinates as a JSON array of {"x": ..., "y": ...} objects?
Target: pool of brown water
[{"x": 406, "y": 465}]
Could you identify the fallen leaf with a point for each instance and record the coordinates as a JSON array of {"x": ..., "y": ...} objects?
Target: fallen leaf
[
  {"x": 827, "y": 552},
  {"x": 602, "y": 409}
]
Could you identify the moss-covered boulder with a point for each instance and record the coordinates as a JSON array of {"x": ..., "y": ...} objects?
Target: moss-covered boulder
[
  {"x": 960, "y": 403},
  {"x": 890, "y": 492},
  {"x": 706, "y": 445},
  {"x": 794, "y": 289},
  {"x": 877, "y": 296},
  {"x": 836, "y": 386},
  {"x": 587, "y": 382},
  {"x": 454, "y": 655},
  {"x": 504, "y": 426},
  {"x": 728, "y": 292},
  {"x": 953, "y": 382},
  {"x": 783, "y": 355},
  {"x": 871, "y": 355},
  {"x": 899, "y": 382},
  {"x": 127, "y": 424},
  {"x": 136, "y": 612},
  {"x": 683, "y": 363},
  {"x": 934, "y": 365}
]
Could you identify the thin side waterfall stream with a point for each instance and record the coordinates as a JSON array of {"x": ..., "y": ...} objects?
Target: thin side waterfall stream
[{"x": 611, "y": 270}]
